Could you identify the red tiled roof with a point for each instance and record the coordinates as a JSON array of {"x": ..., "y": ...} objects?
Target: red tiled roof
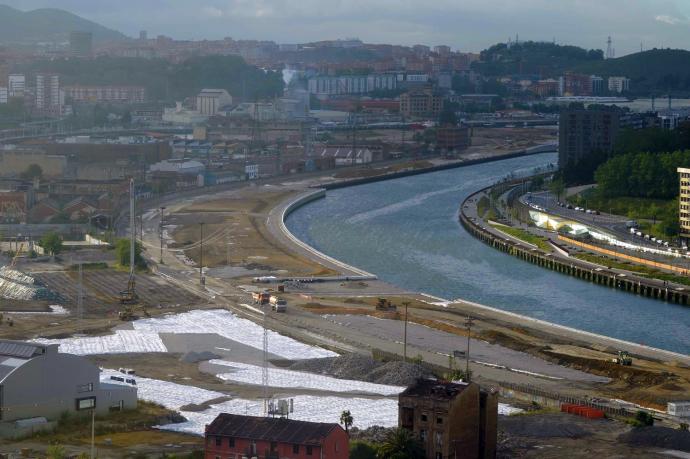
[{"x": 270, "y": 429}]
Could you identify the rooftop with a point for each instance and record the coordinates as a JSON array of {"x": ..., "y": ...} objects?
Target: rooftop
[
  {"x": 14, "y": 354},
  {"x": 270, "y": 429},
  {"x": 434, "y": 388}
]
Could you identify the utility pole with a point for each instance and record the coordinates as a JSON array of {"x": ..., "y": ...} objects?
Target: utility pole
[
  {"x": 93, "y": 432},
  {"x": 132, "y": 228},
  {"x": 468, "y": 323},
  {"x": 406, "y": 304},
  {"x": 80, "y": 296},
  {"x": 201, "y": 255},
  {"x": 227, "y": 247},
  {"x": 264, "y": 366},
  {"x": 160, "y": 231}
]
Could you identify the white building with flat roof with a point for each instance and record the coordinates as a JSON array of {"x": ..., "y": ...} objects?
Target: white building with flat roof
[
  {"x": 4, "y": 95},
  {"x": 679, "y": 409}
]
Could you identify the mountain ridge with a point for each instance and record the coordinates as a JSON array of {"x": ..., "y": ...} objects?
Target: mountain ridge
[{"x": 48, "y": 25}]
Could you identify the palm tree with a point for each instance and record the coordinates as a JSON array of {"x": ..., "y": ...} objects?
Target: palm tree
[
  {"x": 401, "y": 443},
  {"x": 346, "y": 419}
]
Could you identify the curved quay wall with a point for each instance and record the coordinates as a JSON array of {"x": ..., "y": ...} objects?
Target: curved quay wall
[
  {"x": 583, "y": 271},
  {"x": 295, "y": 204}
]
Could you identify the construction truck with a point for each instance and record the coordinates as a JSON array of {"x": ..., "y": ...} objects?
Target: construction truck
[
  {"x": 623, "y": 359},
  {"x": 278, "y": 304},
  {"x": 261, "y": 297}
]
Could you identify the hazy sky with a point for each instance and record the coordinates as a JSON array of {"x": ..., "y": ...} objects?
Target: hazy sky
[{"x": 467, "y": 25}]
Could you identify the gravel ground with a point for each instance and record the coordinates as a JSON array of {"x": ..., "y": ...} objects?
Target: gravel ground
[
  {"x": 359, "y": 367},
  {"x": 546, "y": 426},
  {"x": 659, "y": 437},
  {"x": 441, "y": 342}
]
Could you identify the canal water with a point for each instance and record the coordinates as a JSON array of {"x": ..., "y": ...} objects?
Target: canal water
[{"x": 406, "y": 231}]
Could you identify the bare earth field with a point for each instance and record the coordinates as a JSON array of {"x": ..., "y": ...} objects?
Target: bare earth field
[{"x": 235, "y": 234}]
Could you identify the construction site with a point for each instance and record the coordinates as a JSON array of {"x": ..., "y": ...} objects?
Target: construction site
[{"x": 202, "y": 329}]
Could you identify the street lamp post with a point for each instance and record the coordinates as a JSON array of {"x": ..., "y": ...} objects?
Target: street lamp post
[
  {"x": 160, "y": 228},
  {"x": 406, "y": 304},
  {"x": 468, "y": 323},
  {"x": 201, "y": 255}
]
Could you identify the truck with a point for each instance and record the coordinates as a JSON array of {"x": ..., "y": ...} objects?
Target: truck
[
  {"x": 261, "y": 297},
  {"x": 278, "y": 304}
]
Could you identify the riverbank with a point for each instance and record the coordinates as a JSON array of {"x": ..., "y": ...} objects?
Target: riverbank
[{"x": 283, "y": 210}]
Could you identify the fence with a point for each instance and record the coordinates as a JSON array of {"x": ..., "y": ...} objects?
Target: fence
[{"x": 507, "y": 388}]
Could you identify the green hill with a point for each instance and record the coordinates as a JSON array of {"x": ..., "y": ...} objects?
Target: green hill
[
  {"x": 165, "y": 81},
  {"x": 656, "y": 70},
  {"x": 47, "y": 25},
  {"x": 534, "y": 58}
]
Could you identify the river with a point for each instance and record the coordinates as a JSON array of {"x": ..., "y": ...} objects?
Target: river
[{"x": 406, "y": 231}]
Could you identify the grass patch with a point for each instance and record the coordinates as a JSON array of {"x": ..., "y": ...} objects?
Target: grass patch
[
  {"x": 539, "y": 241},
  {"x": 632, "y": 267},
  {"x": 71, "y": 426}
]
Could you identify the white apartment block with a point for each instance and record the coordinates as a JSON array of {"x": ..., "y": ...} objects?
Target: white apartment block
[
  {"x": 48, "y": 95},
  {"x": 16, "y": 84},
  {"x": 351, "y": 84},
  {"x": 619, "y": 84},
  {"x": 4, "y": 95}
]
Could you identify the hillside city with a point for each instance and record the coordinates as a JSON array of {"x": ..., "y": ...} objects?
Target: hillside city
[{"x": 241, "y": 248}]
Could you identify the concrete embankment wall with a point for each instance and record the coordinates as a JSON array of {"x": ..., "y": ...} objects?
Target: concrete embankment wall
[
  {"x": 440, "y": 167},
  {"x": 624, "y": 256},
  {"x": 295, "y": 204},
  {"x": 572, "y": 267}
]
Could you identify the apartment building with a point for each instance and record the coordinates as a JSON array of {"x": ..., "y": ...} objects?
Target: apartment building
[
  {"x": 111, "y": 94},
  {"x": 684, "y": 203},
  {"x": 421, "y": 104},
  {"x": 49, "y": 98},
  {"x": 619, "y": 84},
  {"x": 584, "y": 131},
  {"x": 16, "y": 85}
]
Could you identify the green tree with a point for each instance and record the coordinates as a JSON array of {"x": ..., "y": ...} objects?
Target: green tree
[
  {"x": 346, "y": 419},
  {"x": 122, "y": 253},
  {"x": 401, "y": 443},
  {"x": 31, "y": 172},
  {"x": 557, "y": 187},
  {"x": 362, "y": 450},
  {"x": 51, "y": 243},
  {"x": 642, "y": 418}
]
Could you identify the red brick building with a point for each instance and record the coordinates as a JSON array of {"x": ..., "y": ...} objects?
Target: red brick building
[{"x": 232, "y": 436}]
